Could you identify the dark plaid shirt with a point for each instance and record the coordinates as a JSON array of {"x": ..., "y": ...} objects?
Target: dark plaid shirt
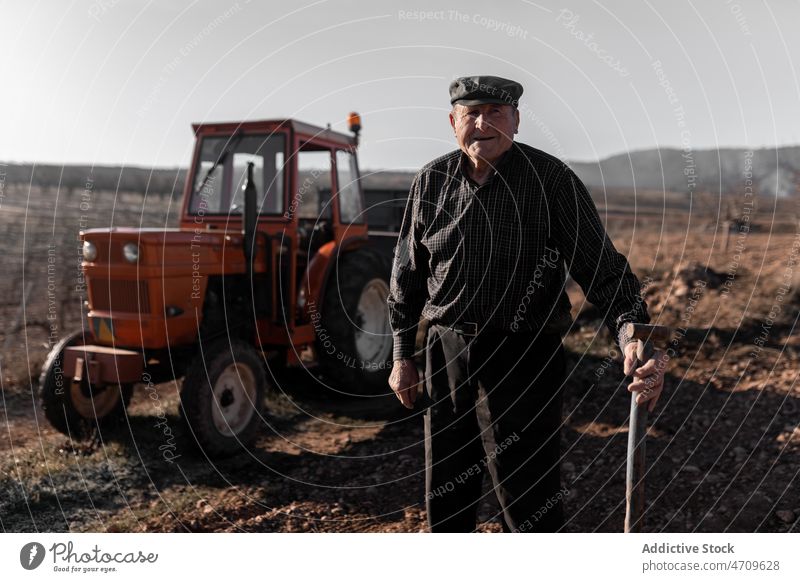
[{"x": 497, "y": 254}]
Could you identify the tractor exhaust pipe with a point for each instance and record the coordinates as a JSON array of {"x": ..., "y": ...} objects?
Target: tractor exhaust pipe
[{"x": 249, "y": 229}]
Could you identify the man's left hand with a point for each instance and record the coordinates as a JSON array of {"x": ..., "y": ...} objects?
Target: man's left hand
[{"x": 648, "y": 377}]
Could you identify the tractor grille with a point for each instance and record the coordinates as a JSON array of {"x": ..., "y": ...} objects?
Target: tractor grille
[{"x": 120, "y": 296}]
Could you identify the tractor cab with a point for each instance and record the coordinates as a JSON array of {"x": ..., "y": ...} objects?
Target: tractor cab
[{"x": 309, "y": 200}]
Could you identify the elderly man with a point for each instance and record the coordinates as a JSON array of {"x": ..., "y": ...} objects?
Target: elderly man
[{"x": 488, "y": 233}]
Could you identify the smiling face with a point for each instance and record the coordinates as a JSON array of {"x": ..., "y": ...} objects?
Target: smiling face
[{"x": 484, "y": 132}]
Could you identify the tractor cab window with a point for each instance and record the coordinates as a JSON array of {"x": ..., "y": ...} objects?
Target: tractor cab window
[
  {"x": 351, "y": 209},
  {"x": 312, "y": 199},
  {"x": 313, "y": 190},
  {"x": 222, "y": 192}
]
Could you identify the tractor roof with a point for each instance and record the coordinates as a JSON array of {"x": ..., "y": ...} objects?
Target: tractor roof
[{"x": 305, "y": 129}]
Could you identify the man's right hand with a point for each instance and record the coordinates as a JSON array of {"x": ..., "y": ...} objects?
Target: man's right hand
[{"x": 404, "y": 380}]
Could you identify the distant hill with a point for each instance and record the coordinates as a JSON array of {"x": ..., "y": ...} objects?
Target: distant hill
[
  {"x": 774, "y": 172},
  {"x": 162, "y": 181}
]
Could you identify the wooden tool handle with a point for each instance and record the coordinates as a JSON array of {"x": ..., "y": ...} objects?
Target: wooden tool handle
[{"x": 637, "y": 432}]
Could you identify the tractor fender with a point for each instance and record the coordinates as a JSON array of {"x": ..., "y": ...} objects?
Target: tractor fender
[{"x": 321, "y": 267}]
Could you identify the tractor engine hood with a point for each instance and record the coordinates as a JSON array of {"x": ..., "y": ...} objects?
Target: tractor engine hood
[{"x": 146, "y": 287}]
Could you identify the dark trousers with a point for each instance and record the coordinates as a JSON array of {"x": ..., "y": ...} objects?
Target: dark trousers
[{"x": 494, "y": 406}]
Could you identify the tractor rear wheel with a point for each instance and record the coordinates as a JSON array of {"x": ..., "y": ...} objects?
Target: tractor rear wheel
[
  {"x": 78, "y": 410},
  {"x": 222, "y": 397},
  {"x": 354, "y": 338}
]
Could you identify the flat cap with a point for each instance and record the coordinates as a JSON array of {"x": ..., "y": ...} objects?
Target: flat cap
[{"x": 485, "y": 89}]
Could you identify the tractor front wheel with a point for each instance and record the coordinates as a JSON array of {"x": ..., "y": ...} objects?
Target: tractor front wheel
[
  {"x": 222, "y": 397},
  {"x": 78, "y": 409}
]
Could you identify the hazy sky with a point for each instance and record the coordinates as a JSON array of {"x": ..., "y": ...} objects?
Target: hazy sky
[{"x": 120, "y": 81}]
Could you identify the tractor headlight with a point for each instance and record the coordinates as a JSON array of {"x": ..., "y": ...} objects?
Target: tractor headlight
[
  {"x": 131, "y": 252},
  {"x": 89, "y": 251}
]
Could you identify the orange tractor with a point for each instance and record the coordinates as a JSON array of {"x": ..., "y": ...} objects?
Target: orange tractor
[{"x": 272, "y": 266}]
